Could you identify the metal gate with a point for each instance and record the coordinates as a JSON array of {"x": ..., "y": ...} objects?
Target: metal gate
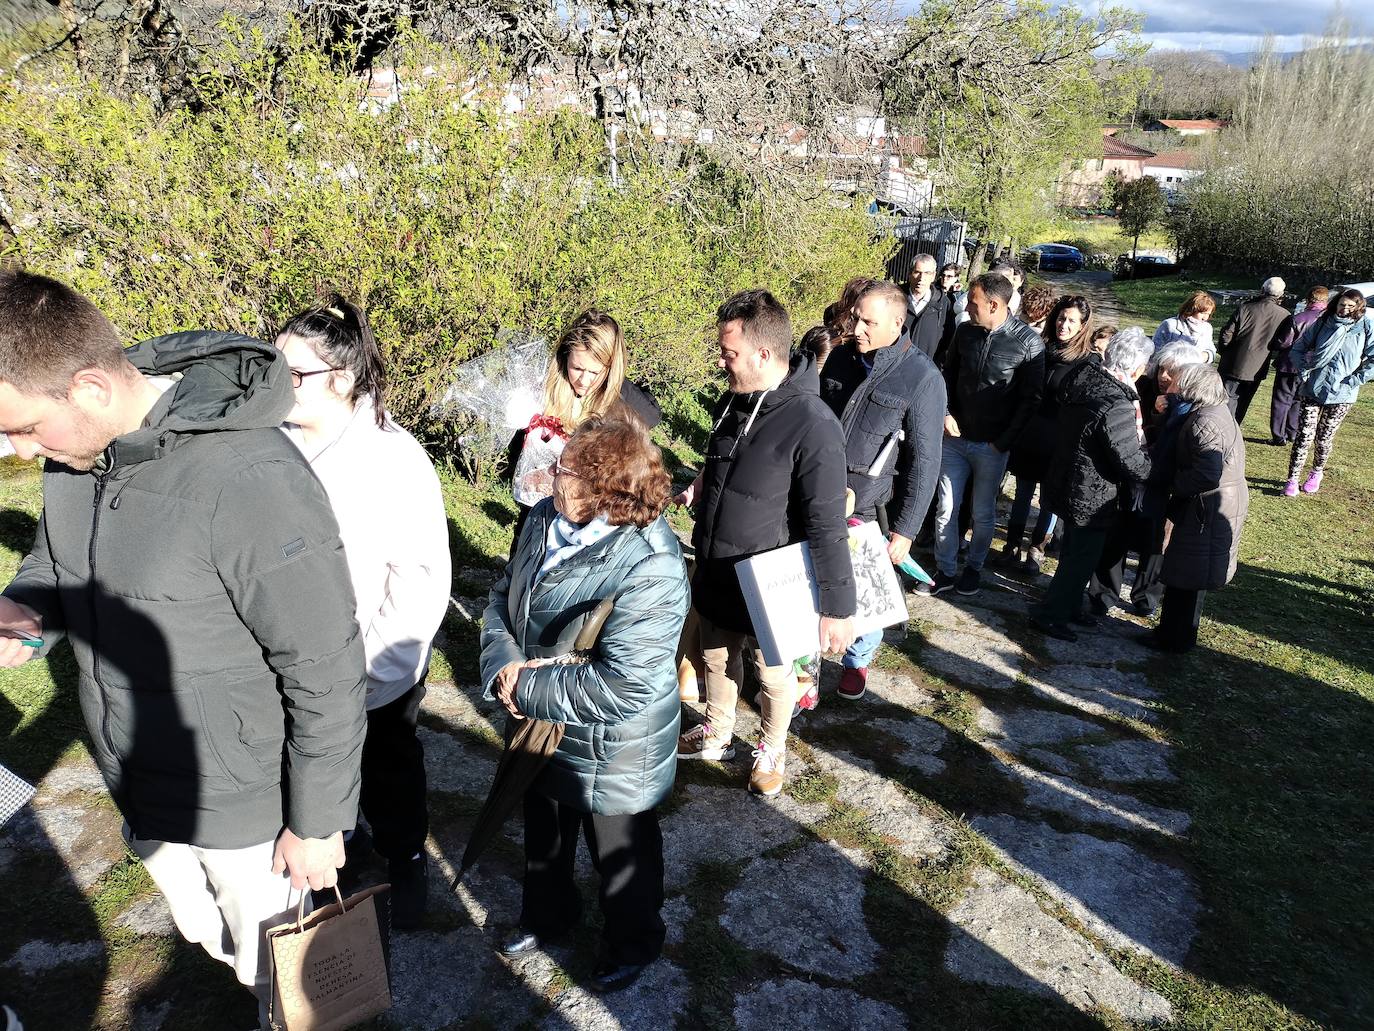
[{"x": 940, "y": 235}]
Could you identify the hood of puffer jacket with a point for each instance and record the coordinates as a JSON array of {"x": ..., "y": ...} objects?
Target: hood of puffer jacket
[{"x": 223, "y": 382}]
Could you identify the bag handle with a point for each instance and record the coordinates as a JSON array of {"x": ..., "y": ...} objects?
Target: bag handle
[{"x": 300, "y": 908}]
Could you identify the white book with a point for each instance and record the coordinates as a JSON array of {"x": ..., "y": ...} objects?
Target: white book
[{"x": 784, "y": 603}]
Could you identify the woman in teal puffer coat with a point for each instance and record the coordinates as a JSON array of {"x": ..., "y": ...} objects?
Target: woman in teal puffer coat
[
  {"x": 1334, "y": 357},
  {"x": 602, "y": 535}
]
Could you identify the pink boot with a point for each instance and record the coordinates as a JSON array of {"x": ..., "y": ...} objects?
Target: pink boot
[
  {"x": 1290, "y": 489},
  {"x": 1314, "y": 481}
]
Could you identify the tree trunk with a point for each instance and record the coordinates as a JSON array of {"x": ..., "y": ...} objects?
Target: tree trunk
[
  {"x": 975, "y": 265},
  {"x": 1135, "y": 248},
  {"x": 72, "y": 23}
]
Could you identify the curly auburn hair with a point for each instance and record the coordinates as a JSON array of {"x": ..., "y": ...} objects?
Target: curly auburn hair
[
  {"x": 1037, "y": 303},
  {"x": 619, "y": 469}
]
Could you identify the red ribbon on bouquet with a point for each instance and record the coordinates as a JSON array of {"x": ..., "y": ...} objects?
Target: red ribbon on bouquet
[{"x": 549, "y": 424}]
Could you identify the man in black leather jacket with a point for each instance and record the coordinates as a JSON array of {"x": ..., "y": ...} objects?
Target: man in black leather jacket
[
  {"x": 994, "y": 377},
  {"x": 890, "y": 400}
]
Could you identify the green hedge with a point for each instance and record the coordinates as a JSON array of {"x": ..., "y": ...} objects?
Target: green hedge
[{"x": 446, "y": 218}]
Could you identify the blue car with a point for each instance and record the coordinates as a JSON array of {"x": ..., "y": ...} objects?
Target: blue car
[{"x": 1055, "y": 257}]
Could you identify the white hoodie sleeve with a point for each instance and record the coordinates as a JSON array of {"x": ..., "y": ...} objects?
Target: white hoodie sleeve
[{"x": 418, "y": 578}]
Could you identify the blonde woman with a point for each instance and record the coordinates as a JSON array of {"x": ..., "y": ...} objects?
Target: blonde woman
[
  {"x": 586, "y": 379},
  {"x": 1192, "y": 325}
]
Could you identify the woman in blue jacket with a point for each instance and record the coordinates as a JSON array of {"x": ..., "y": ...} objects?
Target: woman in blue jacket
[
  {"x": 601, "y": 535},
  {"x": 1334, "y": 358}
]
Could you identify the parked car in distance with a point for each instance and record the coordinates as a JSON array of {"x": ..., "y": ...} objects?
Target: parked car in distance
[
  {"x": 1054, "y": 257},
  {"x": 1144, "y": 266}
]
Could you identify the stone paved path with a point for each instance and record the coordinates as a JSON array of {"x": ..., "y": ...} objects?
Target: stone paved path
[{"x": 1026, "y": 781}]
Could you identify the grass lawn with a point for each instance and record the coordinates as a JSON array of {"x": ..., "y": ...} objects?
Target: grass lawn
[
  {"x": 1272, "y": 719},
  {"x": 1274, "y": 724},
  {"x": 1151, "y": 301},
  {"x": 1104, "y": 236}
]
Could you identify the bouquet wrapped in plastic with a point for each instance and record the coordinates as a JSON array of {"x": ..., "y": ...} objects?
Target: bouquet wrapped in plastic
[
  {"x": 533, "y": 477},
  {"x": 497, "y": 393}
]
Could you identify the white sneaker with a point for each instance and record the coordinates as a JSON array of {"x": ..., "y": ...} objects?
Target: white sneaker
[
  {"x": 697, "y": 744},
  {"x": 766, "y": 777}
]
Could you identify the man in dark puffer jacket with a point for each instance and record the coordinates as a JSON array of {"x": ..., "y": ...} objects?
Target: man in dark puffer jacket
[
  {"x": 1100, "y": 453},
  {"x": 192, "y": 560},
  {"x": 774, "y": 475}
]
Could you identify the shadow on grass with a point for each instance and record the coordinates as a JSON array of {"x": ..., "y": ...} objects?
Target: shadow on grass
[
  {"x": 1276, "y": 768},
  {"x": 1301, "y": 610}
]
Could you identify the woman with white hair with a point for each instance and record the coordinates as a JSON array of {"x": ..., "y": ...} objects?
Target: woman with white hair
[
  {"x": 1139, "y": 525},
  {"x": 1207, "y": 508},
  {"x": 1100, "y": 450},
  {"x": 1153, "y": 387}
]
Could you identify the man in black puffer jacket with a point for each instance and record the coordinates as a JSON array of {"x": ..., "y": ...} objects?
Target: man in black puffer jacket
[
  {"x": 191, "y": 558},
  {"x": 774, "y": 475},
  {"x": 1098, "y": 457},
  {"x": 994, "y": 377},
  {"x": 890, "y": 400}
]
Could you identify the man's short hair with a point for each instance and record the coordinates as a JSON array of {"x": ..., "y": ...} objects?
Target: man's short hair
[
  {"x": 1318, "y": 295},
  {"x": 1007, "y": 265},
  {"x": 763, "y": 321},
  {"x": 49, "y": 333},
  {"x": 1273, "y": 287},
  {"x": 994, "y": 284},
  {"x": 925, "y": 259},
  {"x": 889, "y": 292}
]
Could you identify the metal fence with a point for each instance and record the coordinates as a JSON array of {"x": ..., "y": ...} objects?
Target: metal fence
[{"x": 941, "y": 235}]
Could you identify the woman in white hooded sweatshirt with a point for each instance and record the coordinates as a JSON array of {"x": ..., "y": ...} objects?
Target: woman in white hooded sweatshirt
[{"x": 386, "y": 498}]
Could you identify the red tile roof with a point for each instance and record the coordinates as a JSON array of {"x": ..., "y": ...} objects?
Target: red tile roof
[
  {"x": 1194, "y": 123},
  {"x": 1173, "y": 159},
  {"x": 1114, "y": 148}
]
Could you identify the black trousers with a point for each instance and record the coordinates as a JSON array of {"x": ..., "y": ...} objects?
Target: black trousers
[
  {"x": 1078, "y": 557},
  {"x": 627, "y": 852},
  {"x": 1285, "y": 406},
  {"x": 393, "y": 777},
  {"x": 1239, "y": 394},
  {"x": 1179, "y": 618},
  {"x": 1144, "y": 536}
]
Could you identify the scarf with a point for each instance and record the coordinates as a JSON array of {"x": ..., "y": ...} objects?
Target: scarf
[{"x": 566, "y": 539}]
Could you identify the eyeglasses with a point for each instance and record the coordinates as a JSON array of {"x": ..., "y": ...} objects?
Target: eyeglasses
[
  {"x": 558, "y": 469},
  {"x": 298, "y": 377}
]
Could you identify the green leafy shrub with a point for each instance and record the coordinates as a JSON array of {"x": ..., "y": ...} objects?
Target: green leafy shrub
[{"x": 447, "y": 218}]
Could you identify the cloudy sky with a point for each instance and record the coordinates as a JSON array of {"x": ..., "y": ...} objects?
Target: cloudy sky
[{"x": 1239, "y": 25}]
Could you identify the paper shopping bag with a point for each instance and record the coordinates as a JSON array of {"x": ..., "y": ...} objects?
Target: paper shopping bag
[{"x": 329, "y": 968}]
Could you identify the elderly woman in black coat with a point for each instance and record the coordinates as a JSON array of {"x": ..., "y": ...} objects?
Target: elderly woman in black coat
[
  {"x": 1208, "y": 504},
  {"x": 1098, "y": 452}
]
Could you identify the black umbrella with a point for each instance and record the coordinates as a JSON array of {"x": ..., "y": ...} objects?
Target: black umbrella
[{"x": 529, "y": 744}]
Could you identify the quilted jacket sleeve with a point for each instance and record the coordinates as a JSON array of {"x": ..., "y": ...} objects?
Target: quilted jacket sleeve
[{"x": 625, "y": 674}]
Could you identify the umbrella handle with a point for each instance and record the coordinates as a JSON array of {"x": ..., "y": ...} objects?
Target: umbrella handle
[{"x": 591, "y": 630}]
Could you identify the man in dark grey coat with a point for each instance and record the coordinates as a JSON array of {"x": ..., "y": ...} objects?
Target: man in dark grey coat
[
  {"x": 1244, "y": 345},
  {"x": 890, "y": 400},
  {"x": 191, "y": 558}
]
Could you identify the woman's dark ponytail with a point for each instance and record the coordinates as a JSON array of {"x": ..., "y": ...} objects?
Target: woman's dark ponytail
[{"x": 338, "y": 331}]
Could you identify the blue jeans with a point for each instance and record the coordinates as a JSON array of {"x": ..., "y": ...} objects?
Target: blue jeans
[
  {"x": 859, "y": 654},
  {"x": 960, "y": 461},
  {"x": 1020, "y": 512}
]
